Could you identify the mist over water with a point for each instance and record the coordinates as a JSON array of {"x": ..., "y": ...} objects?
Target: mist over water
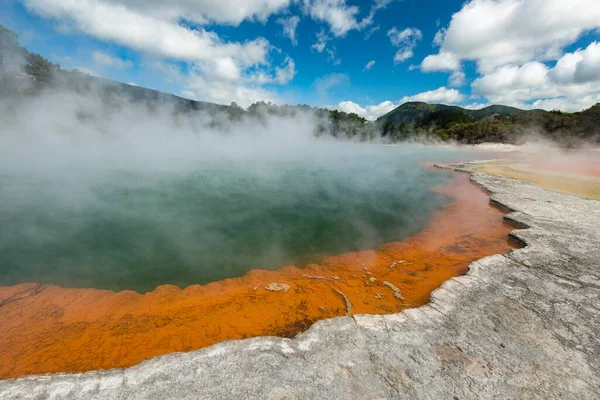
[{"x": 124, "y": 198}]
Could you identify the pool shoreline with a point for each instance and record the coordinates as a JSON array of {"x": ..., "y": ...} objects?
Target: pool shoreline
[{"x": 78, "y": 330}]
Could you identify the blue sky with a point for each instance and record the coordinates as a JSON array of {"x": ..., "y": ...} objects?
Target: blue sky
[{"x": 358, "y": 56}]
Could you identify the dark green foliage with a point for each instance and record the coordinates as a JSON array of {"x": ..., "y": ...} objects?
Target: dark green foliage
[
  {"x": 444, "y": 117},
  {"x": 410, "y": 112},
  {"x": 413, "y": 112},
  {"x": 416, "y": 121},
  {"x": 494, "y": 111},
  {"x": 40, "y": 69}
]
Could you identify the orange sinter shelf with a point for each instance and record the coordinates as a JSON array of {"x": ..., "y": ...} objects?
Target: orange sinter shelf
[{"x": 46, "y": 329}]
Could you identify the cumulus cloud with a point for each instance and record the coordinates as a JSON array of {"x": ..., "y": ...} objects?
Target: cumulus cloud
[
  {"x": 514, "y": 81},
  {"x": 221, "y": 71},
  {"x": 571, "y": 85},
  {"x": 500, "y": 32},
  {"x": 224, "y": 92},
  {"x": 340, "y": 16},
  {"x": 290, "y": 25},
  {"x": 216, "y": 86},
  {"x": 281, "y": 75},
  {"x": 205, "y": 11},
  {"x": 369, "y": 65},
  {"x": 565, "y": 103},
  {"x": 457, "y": 78},
  {"x": 371, "y": 112},
  {"x": 580, "y": 66},
  {"x": 106, "y": 60},
  {"x": 514, "y": 42},
  {"x": 406, "y": 40},
  {"x": 165, "y": 38},
  {"x": 475, "y": 106},
  {"x": 440, "y": 62},
  {"x": 197, "y": 85},
  {"x": 441, "y": 95}
]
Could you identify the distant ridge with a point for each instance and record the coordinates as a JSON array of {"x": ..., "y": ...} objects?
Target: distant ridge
[{"x": 414, "y": 111}]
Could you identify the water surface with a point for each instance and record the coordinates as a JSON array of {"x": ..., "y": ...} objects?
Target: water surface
[{"x": 140, "y": 225}]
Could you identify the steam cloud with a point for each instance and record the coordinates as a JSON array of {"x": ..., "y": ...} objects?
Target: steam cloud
[{"x": 99, "y": 190}]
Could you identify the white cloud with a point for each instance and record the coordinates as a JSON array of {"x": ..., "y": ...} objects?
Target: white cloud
[
  {"x": 220, "y": 71},
  {"x": 204, "y": 11},
  {"x": 514, "y": 42},
  {"x": 369, "y": 65},
  {"x": 372, "y": 112},
  {"x": 475, "y": 106},
  {"x": 286, "y": 73},
  {"x": 406, "y": 40},
  {"x": 499, "y": 32},
  {"x": 188, "y": 94},
  {"x": 340, "y": 16},
  {"x": 281, "y": 75},
  {"x": 369, "y": 112},
  {"x": 580, "y": 66},
  {"x": 457, "y": 78},
  {"x": 440, "y": 62},
  {"x": 196, "y": 85},
  {"x": 223, "y": 92},
  {"x": 289, "y": 27},
  {"x": 514, "y": 81},
  {"x": 225, "y": 87},
  {"x": 325, "y": 83},
  {"x": 570, "y": 85},
  {"x": 321, "y": 46},
  {"x": 165, "y": 38},
  {"x": 321, "y": 43},
  {"x": 109, "y": 61},
  {"x": 441, "y": 95},
  {"x": 566, "y": 104}
]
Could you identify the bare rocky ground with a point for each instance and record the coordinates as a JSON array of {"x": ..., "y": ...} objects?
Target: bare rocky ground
[{"x": 521, "y": 326}]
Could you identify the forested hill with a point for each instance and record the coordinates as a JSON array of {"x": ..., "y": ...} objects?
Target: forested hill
[
  {"x": 24, "y": 75},
  {"x": 412, "y": 112},
  {"x": 491, "y": 124}
]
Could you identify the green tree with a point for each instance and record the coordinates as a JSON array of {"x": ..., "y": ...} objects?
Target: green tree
[{"x": 39, "y": 69}]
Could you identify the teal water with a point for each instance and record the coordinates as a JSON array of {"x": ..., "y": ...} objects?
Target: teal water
[{"x": 137, "y": 227}]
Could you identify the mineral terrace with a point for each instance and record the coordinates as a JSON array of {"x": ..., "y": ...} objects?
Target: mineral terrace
[{"x": 524, "y": 325}]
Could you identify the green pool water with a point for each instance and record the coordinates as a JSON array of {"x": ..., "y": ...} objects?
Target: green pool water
[{"x": 140, "y": 226}]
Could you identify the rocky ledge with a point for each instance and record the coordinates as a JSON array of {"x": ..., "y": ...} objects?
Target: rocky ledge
[{"x": 524, "y": 325}]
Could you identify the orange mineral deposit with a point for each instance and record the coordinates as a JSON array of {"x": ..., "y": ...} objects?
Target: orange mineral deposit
[{"x": 46, "y": 329}]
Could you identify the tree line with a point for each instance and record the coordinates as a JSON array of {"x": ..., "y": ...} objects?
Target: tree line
[{"x": 23, "y": 73}]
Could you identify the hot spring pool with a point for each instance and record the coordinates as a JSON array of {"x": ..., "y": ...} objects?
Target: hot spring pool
[{"x": 138, "y": 225}]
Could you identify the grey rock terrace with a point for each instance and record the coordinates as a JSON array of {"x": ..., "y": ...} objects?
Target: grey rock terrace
[{"x": 524, "y": 326}]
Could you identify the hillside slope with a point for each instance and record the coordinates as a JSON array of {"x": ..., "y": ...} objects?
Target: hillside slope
[{"x": 412, "y": 112}]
